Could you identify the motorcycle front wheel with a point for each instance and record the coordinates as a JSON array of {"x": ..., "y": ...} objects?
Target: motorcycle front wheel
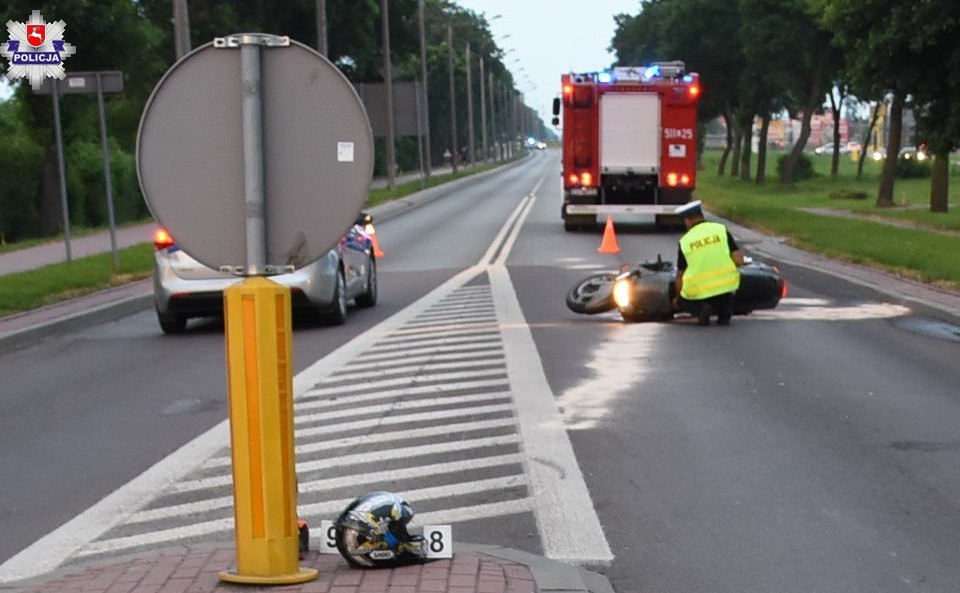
[{"x": 592, "y": 295}]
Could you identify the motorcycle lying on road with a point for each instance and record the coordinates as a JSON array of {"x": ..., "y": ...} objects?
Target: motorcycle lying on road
[{"x": 646, "y": 291}]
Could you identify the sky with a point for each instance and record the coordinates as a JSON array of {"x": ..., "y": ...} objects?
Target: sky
[{"x": 548, "y": 38}]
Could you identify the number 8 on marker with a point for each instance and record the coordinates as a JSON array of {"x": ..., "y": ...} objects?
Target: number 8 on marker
[{"x": 438, "y": 541}]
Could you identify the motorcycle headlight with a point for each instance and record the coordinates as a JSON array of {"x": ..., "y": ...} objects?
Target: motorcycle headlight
[{"x": 621, "y": 293}]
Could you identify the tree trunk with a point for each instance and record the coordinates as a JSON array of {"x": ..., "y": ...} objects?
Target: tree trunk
[
  {"x": 762, "y": 149},
  {"x": 865, "y": 147},
  {"x": 786, "y": 176},
  {"x": 940, "y": 183},
  {"x": 746, "y": 152},
  {"x": 814, "y": 99},
  {"x": 737, "y": 147},
  {"x": 835, "y": 157},
  {"x": 722, "y": 165},
  {"x": 887, "y": 176},
  {"x": 50, "y": 211}
]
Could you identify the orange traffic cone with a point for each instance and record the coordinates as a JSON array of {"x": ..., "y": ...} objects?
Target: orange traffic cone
[
  {"x": 377, "y": 253},
  {"x": 609, "y": 243}
]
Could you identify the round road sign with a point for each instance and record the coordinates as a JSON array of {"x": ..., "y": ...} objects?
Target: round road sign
[{"x": 317, "y": 155}]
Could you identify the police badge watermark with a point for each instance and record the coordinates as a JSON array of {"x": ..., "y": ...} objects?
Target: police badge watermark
[{"x": 36, "y": 50}]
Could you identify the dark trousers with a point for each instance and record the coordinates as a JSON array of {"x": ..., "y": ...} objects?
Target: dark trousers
[{"x": 720, "y": 305}]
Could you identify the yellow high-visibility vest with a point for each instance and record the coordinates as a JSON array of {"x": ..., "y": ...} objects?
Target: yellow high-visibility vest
[{"x": 710, "y": 269}]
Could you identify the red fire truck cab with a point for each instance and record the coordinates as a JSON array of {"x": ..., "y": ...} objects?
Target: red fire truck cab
[{"x": 629, "y": 143}]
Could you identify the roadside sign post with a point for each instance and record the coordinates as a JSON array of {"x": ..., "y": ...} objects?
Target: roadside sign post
[
  {"x": 100, "y": 82},
  {"x": 256, "y": 154}
]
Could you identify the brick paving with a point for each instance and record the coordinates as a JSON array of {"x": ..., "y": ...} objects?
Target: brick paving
[{"x": 196, "y": 570}]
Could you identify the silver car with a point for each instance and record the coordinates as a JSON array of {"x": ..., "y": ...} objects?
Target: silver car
[{"x": 185, "y": 288}]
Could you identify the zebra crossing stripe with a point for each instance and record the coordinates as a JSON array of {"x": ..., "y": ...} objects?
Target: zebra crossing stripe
[
  {"x": 325, "y": 484},
  {"x": 437, "y": 362},
  {"x": 326, "y": 508},
  {"x": 405, "y": 392},
  {"x": 359, "y": 458},
  {"x": 384, "y": 437}
]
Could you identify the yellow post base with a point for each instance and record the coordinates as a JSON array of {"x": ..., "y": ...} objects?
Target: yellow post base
[
  {"x": 258, "y": 324},
  {"x": 303, "y": 576}
]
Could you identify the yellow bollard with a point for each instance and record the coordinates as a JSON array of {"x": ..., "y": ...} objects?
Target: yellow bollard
[{"x": 257, "y": 318}]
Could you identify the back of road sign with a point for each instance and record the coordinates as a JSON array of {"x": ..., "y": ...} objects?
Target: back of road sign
[{"x": 317, "y": 153}]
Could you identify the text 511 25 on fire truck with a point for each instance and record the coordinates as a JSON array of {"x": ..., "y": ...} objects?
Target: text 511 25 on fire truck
[{"x": 629, "y": 143}]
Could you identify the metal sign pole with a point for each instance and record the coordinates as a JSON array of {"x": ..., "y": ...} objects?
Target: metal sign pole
[
  {"x": 253, "y": 155},
  {"x": 107, "y": 176},
  {"x": 61, "y": 168}
]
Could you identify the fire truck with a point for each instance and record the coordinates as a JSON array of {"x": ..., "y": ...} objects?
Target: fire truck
[{"x": 629, "y": 143}]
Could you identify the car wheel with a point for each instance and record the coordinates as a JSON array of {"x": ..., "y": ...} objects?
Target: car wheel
[
  {"x": 171, "y": 324},
  {"x": 369, "y": 296},
  {"x": 337, "y": 315}
]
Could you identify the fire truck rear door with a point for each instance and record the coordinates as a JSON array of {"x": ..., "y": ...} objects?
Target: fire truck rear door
[{"x": 629, "y": 133}]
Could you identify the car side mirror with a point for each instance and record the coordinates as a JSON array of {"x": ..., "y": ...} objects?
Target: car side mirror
[{"x": 556, "y": 105}]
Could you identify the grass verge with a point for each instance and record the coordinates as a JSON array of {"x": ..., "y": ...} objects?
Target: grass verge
[
  {"x": 907, "y": 239},
  {"x": 23, "y": 291}
]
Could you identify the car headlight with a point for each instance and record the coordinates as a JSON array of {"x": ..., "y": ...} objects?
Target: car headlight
[{"x": 621, "y": 293}]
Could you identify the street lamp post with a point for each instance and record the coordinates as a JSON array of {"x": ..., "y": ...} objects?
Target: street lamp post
[
  {"x": 388, "y": 79},
  {"x": 470, "y": 140},
  {"x": 181, "y": 28},
  {"x": 426, "y": 103},
  {"x": 493, "y": 118},
  {"x": 453, "y": 101},
  {"x": 322, "y": 27},
  {"x": 483, "y": 112}
]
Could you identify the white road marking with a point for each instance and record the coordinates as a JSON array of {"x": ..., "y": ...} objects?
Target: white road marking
[{"x": 569, "y": 527}]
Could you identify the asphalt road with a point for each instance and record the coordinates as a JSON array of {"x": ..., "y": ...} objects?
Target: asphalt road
[{"x": 809, "y": 448}]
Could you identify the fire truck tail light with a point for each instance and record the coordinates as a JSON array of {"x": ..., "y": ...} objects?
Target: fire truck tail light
[
  {"x": 672, "y": 179},
  {"x": 586, "y": 179},
  {"x": 694, "y": 91},
  {"x": 574, "y": 179},
  {"x": 567, "y": 90},
  {"x": 684, "y": 179}
]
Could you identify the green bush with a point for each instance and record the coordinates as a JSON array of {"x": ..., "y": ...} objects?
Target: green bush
[
  {"x": 803, "y": 170},
  {"x": 848, "y": 194},
  {"x": 88, "y": 192},
  {"x": 912, "y": 168}
]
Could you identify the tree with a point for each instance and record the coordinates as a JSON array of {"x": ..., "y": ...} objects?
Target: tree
[
  {"x": 936, "y": 97},
  {"x": 881, "y": 39},
  {"x": 113, "y": 37},
  {"x": 705, "y": 34}
]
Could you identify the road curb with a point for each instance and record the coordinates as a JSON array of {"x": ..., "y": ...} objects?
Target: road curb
[
  {"x": 548, "y": 575},
  {"x": 105, "y": 306}
]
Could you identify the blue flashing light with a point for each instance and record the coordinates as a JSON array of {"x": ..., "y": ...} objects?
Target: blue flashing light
[
  {"x": 687, "y": 78},
  {"x": 604, "y": 77},
  {"x": 651, "y": 72}
]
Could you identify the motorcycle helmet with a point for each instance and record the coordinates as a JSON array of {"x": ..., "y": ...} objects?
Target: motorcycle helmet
[{"x": 372, "y": 532}]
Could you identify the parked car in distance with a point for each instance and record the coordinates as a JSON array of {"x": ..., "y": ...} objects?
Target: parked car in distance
[
  {"x": 824, "y": 149},
  {"x": 184, "y": 288},
  {"x": 827, "y": 149},
  {"x": 912, "y": 152}
]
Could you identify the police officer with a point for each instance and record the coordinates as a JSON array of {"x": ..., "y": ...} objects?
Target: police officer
[{"x": 707, "y": 262}]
